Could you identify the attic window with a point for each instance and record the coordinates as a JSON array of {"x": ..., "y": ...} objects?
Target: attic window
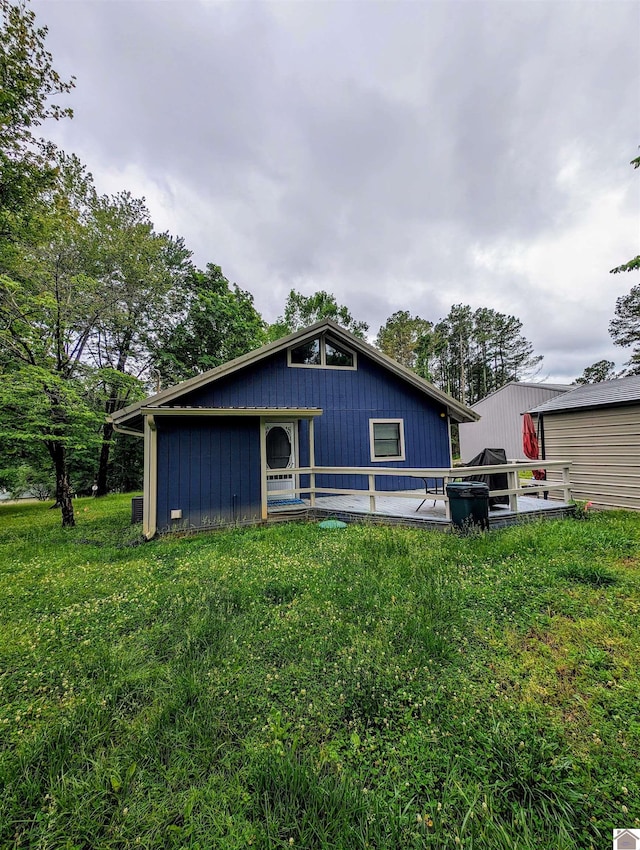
[
  {"x": 307, "y": 354},
  {"x": 337, "y": 356},
  {"x": 323, "y": 352}
]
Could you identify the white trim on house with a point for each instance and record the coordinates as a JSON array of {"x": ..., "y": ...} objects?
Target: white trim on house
[
  {"x": 281, "y": 478},
  {"x": 121, "y": 429},
  {"x": 264, "y": 470},
  {"x": 372, "y": 446},
  {"x": 150, "y": 502}
]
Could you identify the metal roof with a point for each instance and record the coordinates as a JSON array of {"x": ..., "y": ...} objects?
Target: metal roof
[
  {"x": 540, "y": 385},
  {"x": 605, "y": 394},
  {"x": 199, "y": 410}
]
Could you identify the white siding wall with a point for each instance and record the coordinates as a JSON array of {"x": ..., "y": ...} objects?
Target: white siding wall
[
  {"x": 604, "y": 447},
  {"x": 501, "y": 423}
]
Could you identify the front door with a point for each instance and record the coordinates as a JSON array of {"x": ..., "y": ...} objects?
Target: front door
[{"x": 281, "y": 455}]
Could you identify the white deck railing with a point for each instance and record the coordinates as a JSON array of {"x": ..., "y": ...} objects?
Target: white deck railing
[{"x": 443, "y": 474}]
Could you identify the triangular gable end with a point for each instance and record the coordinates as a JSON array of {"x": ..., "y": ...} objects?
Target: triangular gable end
[{"x": 131, "y": 416}]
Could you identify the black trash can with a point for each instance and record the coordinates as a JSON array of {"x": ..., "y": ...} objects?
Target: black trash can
[{"x": 469, "y": 503}]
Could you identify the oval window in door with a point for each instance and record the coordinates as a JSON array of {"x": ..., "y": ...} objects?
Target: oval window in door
[{"x": 278, "y": 448}]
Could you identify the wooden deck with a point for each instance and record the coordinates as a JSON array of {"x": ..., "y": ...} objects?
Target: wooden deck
[{"x": 391, "y": 510}]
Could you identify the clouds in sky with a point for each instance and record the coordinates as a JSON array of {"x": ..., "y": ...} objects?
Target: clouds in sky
[{"x": 406, "y": 155}]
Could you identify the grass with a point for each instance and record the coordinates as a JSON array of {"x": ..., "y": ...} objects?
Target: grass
[{"x": 287, "y": 686}]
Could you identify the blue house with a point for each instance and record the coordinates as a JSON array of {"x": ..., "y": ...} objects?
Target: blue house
[{"x": 220, "y": 447}]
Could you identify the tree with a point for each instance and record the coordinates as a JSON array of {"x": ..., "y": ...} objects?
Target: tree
[
  {"x": 512, "y": 353},
  {"x": 219, "y": 323},
  {"x": 303, "y": 310},
  {"x": 142, "y": 276},
  {"x": 42, "y": 407},
  {"x": 49, "y": 306},
  {"x": 624, "y": 329},
  {"x": 36, "y": 356},
  {"x": 28, "y": 81},
  {"x": 399, "y": 337},
  {"x": 470, "y": 354},
  {"x": 25, "y": 465},
  {"x": 601, "y": 370}
]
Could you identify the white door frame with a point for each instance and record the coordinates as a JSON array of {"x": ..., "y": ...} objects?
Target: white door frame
[{"x": 288, "y": 481}]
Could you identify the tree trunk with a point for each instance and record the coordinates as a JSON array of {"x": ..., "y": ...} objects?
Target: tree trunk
[
  {"x": 63, "y": 486},
  {"x": 103, "y": 462}
]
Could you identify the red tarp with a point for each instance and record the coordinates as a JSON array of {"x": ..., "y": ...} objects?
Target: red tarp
[
  {"x": 530, "y": 444},
  {"x": 529, "y": 437}
]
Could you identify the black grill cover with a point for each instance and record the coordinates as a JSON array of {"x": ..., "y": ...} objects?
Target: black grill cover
[{"x": 497, "y": 480}]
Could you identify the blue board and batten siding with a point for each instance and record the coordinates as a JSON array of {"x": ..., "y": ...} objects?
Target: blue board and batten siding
[
  {"x": 349, "y": 398},
  {"x": 210, "y": 467},
  {"x": 210, "y": 470}
]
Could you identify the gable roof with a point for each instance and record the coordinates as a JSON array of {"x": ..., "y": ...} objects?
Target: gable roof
[
  {"x": 605, "y": 394},
  {"x": 459, "y": 412},
  {"x": 552, "y": 388}
]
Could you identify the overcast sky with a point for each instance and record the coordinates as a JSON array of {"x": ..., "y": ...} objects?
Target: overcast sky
[{"x": 402, "y": 155}]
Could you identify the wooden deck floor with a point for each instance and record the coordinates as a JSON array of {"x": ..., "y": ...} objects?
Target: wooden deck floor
[{"x": 405, "y": 511}]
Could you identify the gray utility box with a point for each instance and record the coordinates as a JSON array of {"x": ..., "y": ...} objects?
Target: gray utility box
[{"x": 136, "y": 509}]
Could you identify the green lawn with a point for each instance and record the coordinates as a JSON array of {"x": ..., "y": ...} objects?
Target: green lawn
[{"x": 288, "y": 686}]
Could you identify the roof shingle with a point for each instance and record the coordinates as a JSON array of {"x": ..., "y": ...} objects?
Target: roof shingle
[{"x": 604, "y": 394}]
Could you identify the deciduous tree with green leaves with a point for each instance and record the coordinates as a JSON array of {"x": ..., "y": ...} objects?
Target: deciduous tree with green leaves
[
  {"x": 28, "y": 81},
  {"x": 41, "y": 336},
  {"x": 49, "y": 306},
  {"x": 142, "y": 275},
  {"x": 218, "y": 322},
  {"x": 400, "y": 336},
  {"x": 303, "y": 310}
]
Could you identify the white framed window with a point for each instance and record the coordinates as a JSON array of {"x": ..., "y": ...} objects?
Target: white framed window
[
  {"x": 322, "y": 352},
  {"x": 386, "y": 438}
]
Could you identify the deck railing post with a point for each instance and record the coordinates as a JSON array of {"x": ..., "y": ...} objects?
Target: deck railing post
[
  {"x": 312, "y": 463},
  {"x": 372, "y": 498},
  {"x": 263, "y": 470},
  {"x": 512, "y": 478},
  {"x": 447, "y": 506},
  {"x": 566, "y": 481}
]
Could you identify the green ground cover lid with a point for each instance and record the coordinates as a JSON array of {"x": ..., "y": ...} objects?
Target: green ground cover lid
[{"x": 332, "y": 523}]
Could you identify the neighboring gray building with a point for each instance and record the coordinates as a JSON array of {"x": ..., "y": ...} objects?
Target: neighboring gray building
[
  {"x": 501, "y": 424},
  {"x": 597, "y": 428}
]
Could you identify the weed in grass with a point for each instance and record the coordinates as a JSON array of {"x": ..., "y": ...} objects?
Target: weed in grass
[
  {"x": 529, "y": 768},
  {"x": 294, "y": 804},
  {"x": 280, "y": 593},
  {"x": 367, "y": 697},
  {"x": 594, "y": 575},
  {"x": 597, "y": 658}
]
